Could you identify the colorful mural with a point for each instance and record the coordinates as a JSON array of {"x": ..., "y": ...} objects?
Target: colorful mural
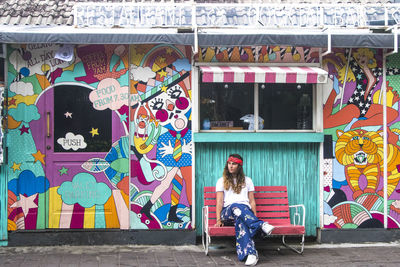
[
  {"x": 353, "y": 125},
  {"x": 71, "y": 153},
  {"x": 69, "y": 138},
  {"x": 161, "y": 139},
  {"x": 260, "y": 54}
]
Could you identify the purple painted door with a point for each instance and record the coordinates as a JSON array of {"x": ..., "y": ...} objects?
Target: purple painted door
[{"x": 78, "y": 139}]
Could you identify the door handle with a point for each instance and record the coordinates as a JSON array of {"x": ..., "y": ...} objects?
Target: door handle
[{"x": 48, "y": 124}]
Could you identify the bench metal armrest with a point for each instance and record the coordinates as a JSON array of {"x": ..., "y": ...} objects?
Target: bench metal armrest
[
  {"x": 205, "y": 219},
  {"x": 299, "y": 216}
]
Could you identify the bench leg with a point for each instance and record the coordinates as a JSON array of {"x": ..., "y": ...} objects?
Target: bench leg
[
  {"x": 206, "y": 240},
  {"x": 299, "y": 250}
]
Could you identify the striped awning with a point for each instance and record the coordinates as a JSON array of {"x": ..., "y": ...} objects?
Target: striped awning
[{"x": 262, "y": 74}]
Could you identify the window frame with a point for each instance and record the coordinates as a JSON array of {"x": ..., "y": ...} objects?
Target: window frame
[{"x": 317, "y": 124}]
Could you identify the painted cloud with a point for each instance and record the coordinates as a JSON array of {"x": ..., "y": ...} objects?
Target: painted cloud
[
  {"x": 24, "y": 112},
  {"x": 84, "y": 190},
  {"x": 22, "y": 88},
  {"x": 72, "y": 141},
  {"x": 141, "y": 73}
]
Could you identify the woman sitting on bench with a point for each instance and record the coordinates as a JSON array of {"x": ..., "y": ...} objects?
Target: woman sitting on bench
[{"x": 236, "y": 205}]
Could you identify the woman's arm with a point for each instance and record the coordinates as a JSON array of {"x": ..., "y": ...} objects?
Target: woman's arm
[
  {"x": 252, "y": 202},
  {"x": 218, "y": 207}
]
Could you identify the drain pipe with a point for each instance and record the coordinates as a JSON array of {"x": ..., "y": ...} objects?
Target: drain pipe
[{"x": 385, "y": 139}]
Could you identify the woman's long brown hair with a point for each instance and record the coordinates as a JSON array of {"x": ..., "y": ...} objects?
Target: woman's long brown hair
[{"x": 228, "y": 177}]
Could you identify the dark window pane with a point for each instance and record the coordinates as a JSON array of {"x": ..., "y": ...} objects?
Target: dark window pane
[
  {"x": 223, "y": 105},
  {"x": 286, "y": 106},
  {"x": 75, "y": 100}
]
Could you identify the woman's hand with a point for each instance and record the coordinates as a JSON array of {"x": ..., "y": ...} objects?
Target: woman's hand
[{"x": 219, "y": 224}]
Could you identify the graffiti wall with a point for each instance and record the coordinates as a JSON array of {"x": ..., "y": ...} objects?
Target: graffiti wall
[
  {"x": 161, "y": 139},
  {"x": 353, "y": 148},
  {"x": 71, "y": 112},
  {"x": 68, "y": 136},
  {"x": 260, "y": 54}
]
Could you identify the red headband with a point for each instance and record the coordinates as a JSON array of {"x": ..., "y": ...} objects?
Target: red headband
[{"x": 236, "y": 160}]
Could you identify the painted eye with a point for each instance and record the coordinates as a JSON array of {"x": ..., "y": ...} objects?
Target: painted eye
[
  {"x": 355, "y": 138},
  {"x": 182, "y": 103},
  {"x": 175, "y": 93},
  {"x": 366, "y": 138},
  {"x": 162, "y": 115},
  {"x": 157, "y": 104}
]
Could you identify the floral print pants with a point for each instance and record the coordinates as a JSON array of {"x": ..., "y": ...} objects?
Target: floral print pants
[{"x": 247, "y": 225}]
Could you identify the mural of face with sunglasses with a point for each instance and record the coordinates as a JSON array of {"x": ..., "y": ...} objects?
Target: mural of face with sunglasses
[{"x": 172, "y": 107}]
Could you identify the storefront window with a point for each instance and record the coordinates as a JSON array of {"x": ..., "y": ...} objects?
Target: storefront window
[
  {"x": 281, "y": 106},
  {"x": 226, "y": 106},
  {"x": 286, "y": 106}
]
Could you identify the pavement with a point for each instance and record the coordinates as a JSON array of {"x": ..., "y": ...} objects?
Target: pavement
[{"x": 220, "y": 254}]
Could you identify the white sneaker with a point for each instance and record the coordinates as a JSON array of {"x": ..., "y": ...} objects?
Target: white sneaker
[
  {"x": 251, "y": 260},
  {"x": 267, "y": 228}
]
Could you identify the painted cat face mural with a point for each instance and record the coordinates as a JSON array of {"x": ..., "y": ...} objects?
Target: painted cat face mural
[{"x": 172, "y": 108}]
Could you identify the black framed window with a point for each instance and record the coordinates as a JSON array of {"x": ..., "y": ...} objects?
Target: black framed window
[
  {"x": 74, "y": 113},
  {"x": 281, "y": 106}
]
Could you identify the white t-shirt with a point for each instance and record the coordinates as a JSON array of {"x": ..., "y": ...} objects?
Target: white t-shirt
[{"x": 231, "y": 197}]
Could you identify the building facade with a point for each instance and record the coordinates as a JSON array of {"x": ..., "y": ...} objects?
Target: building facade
[{"x": 112, "y": 133}]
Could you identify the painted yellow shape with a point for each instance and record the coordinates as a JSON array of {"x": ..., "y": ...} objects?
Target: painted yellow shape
[
  {"x": 44, "y": 83},
  {"x": 70, "y": 68},
  {"x": 389, "y": 98},
  {"x": 110, "y": 213},
  {"x": 155, "y": 67},
  {"x": 29, "y": 100},
  {"x": 11, "y": 226},
  {"x": 94, "y": 131},
  {"x": 164, "y": 88},
  {"x": 55, "y": 205},
  {"x": 162, "y": 73},
  {"x": 16, "y": 166},
  {"x": 88, "y": 220},
  {"x": 39, "y": 156}
]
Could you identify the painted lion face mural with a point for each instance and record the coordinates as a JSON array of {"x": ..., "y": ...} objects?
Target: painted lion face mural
[
  {"x": 361, "y": 152},
  {"x": 359, "y": 147}
]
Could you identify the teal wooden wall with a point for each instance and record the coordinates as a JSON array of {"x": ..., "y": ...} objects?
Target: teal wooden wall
[
  {"x": 295, "y": 165},
  {"x": 3, "y": 205}
]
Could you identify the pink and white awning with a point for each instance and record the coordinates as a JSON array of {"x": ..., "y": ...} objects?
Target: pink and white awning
[{"x": 262, "y": 74}]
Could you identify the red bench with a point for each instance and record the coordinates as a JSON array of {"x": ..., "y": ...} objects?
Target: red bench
[{"x": 272, "y": 206}]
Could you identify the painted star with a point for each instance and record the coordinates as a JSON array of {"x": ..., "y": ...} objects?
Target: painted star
[
  {"x": 123, "y": 117},
  {"x": 12, "y": 101},
  {"x": 16, "y": 166},
  {"x": 63, "y": 170},
  {"x": 24, "y": 129},
  {"x": 25, "y": 203},
  {"x": 68, "y": 114},
  {"x": 39, "y": 157},
  {"x": 164, "y": 88},
  {"x": 162, "y": 73},
  {"x": 94, "y": 131},
  {"x": 169, "y": 50}
]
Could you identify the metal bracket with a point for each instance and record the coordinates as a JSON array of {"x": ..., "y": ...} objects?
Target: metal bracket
[{"x": 329, "y": 42}]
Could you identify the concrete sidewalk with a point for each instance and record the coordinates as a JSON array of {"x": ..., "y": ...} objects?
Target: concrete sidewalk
[{"x": 221, "y": 254}]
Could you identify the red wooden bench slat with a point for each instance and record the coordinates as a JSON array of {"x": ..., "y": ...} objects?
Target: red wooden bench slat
[
  {"x": 270, "y": 201},
  {"x": 272, "y": 208},
  {"x": 261, "y": 209},
  {"x": 273, "y": 194},
  {"x": 284, "y": 229}
]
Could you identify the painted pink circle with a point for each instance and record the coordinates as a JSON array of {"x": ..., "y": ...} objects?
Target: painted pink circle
[
  {"x": 162, "y": 115},
  {"x": 182, "y": 103}
]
